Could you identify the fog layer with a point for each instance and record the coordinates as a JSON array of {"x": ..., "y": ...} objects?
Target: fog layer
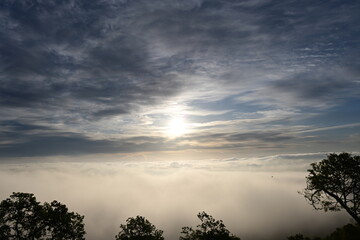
[{"x": 253, "y": 205}]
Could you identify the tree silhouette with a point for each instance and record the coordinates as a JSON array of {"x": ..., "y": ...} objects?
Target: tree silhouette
[
  {"x": 22, "y": 217},
  {"x": 298, "y": 237},
  {"x": 334, "y": 183},
  {"x": 347, "y": 232},
  {"x": 139, "y": 228},
  {"x": 61, "y": 224},
  {"x": 209, "y": 229}
]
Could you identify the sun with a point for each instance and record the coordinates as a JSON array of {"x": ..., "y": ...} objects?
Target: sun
[{"x": 176, "y": 126}]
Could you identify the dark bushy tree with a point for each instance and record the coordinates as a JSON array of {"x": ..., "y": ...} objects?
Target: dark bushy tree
[
  {"x": 347, "y": 232},
  {"x": 209, "y": 229},
  {"x": 298, "y": 237},
  {"x": 139, "y": 228},
  {"x": 334, "y": 184},
  {"x": 62, "y": 224},
  {"x": 22, "y": 217}
]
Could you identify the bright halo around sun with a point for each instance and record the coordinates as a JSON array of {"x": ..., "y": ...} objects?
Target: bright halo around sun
[{"x": 176, "y": 126}]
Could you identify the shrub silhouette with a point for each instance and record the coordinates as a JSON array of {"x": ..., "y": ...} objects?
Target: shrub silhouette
[
  {"x": 347, "y": 232},
  {"x": 139, "y": 228},
  {"x": 209, "y": 229},
  {"x": 298, "y": 237}
]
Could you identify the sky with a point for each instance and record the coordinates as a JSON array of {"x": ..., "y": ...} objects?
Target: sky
[{"x": 212, "y": 87}]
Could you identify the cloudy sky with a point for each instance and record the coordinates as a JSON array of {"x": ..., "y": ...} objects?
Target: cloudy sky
[
  {"x": 227, "y": 84},
  {"x": 122, "y": 77}
]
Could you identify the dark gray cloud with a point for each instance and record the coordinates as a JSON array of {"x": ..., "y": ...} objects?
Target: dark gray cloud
[
  {"x": 260, "y": 135},
  {"x": 320, "y": 85},
  {"x": 34, "y": 140},
  {"x": 52, "y": 51},
  {"x": 26, "y": 140},
  {"x": 70, "y": 144},
  {"x": 267, "y": 136}
]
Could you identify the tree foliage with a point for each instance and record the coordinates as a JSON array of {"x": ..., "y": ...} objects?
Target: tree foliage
[
  {"x": 62, "y": 224},
  {"x": 22, "y": 217},
  {"x": 347, "y": 232},
  {"x": 298, "y": 237},
  {"x": 139, "y": 228},
  {"x": 209, "y": 229},
  {"x": 334, "y": 184}
]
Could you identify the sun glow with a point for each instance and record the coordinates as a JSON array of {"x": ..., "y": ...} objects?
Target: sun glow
[{"x": 176, "y": 126}]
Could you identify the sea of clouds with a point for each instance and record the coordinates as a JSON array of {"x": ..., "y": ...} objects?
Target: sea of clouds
[{"x": 254, "y": 203}]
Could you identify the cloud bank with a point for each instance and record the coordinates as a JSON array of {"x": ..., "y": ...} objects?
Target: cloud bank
[{"x": 252, "y": 204}]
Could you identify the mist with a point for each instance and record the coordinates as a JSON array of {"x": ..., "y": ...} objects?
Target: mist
[{"x": 254, "y": 205}]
